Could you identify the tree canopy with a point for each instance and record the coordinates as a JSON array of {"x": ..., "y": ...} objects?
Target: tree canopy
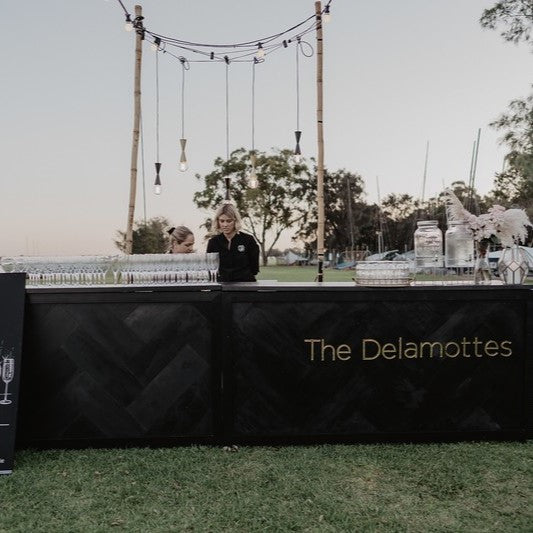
[
  {"x": 350, "y": 222},
  {"x": 514, "y": 16},
  {"x": 515, "y": 184},
  {"x": 280, "y": 200},
  {"x": 148, "y": 238}
]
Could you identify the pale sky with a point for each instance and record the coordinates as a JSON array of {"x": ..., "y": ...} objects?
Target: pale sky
[{"x": 397, "y": 74}]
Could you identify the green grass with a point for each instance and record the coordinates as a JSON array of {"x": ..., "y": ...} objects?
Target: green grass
[
  {"x": 308, "y": 273},
  {"x": 418, "y": 488},
  {"x": 304, "y": 273}
]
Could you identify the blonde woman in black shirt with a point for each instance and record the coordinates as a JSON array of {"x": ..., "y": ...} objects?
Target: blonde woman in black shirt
[{"x": 238, "y": 251}]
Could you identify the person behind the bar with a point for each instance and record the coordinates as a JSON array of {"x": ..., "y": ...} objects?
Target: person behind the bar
[
  {"x": 238, "y": 251},
  {"x": 181, "y": 240}
]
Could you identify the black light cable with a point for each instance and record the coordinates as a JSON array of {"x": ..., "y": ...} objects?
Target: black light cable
[
  {"x": 253, "y": 183},
  {"x": 298, "y": 133},
  {"x": 260, "y": 47},
  {"x": 183, "y": 166},
  {"x": 227, "y": 178},
  {"x": 157, "y": 183}
]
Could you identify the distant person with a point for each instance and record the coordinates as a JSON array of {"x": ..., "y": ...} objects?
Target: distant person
[
  {"x": 238, "y": 251},
  {"x": 181, "y": 240}
]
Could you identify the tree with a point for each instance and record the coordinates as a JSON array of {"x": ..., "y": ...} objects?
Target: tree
[
  {"x": 399, "y": 213},
  {"x": 516, "y": 16},
  {"x": 515, "y": 184},
  {"x": 349, "y": 221},
  {"x": 148, "y": 238},
  {"x": 279, "y": 201}
]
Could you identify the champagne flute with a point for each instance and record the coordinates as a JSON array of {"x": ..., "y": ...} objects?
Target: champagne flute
[{"x": 8, "y": 371}]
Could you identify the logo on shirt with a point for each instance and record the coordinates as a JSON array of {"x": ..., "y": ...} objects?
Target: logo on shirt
[{"x": 241, "y": 248}]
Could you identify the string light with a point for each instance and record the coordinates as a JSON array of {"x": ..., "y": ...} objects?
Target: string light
[
  {"x": 156, "y": 45},
  {"x": 183, "y": 166},
  {"x": 245, "y": 51},
  {"x": 253, "y": 182},
  {"x": 129, "y": 24},
  {"x": 157, "y": 184},
  {"x": 298, "y": 133},
  {"x": 248, "y": 51},
  {"x": 326, "y": 17},
  {"x": 227, "y": 178}
]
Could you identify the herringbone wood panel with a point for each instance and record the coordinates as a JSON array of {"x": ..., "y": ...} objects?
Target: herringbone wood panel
[
  {"x": 278, "y": 391},
  {"x": 116, "y": 370}
]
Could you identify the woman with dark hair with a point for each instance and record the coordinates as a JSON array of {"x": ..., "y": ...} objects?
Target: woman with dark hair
[
  {"x": 181, "y": 240},
  {"x": 238, "y": 251}
]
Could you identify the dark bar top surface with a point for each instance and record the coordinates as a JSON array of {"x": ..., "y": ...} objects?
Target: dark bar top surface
[{"x": 275, "y": 286}]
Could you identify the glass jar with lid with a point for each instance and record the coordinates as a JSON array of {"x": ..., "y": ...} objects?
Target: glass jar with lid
[
  {"x": 459, "y": 245},
  {"x": 428, "y": 244}
]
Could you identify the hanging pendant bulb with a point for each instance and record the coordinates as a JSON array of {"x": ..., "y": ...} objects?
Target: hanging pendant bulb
[
  {"x": 260, "y": 51},
  {"x": 156, "y": 45},
  {"x": 129, "y": 24},
  {"x": 253, "y": 182},
  {"x": 157, "y": 183},
  {"x": 183, "y": 158},
  {"x": 297, "y": 151},
  {"x": 326, "y": 17}
]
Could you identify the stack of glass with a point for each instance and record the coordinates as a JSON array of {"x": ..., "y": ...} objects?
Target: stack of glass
[
  {"x": 138, "y": 269},
  {"x": 383, "y": 273}
]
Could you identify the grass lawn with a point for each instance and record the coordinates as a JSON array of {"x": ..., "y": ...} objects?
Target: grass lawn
[
  {"x": 303, "y": 273},
  {"x": 308, "y": 273},
  {"x": 435, "y": 487}
]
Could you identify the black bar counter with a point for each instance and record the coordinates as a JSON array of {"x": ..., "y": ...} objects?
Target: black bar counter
[{"x": 275, "y": 363}]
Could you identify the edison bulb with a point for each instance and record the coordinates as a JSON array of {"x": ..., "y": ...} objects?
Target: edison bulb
[
  {"x": 157, "y": 189},
  {"x": 183, "y": 166}
]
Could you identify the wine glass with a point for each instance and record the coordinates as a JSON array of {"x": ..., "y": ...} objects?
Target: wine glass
[{"x": 212, "y": 265}]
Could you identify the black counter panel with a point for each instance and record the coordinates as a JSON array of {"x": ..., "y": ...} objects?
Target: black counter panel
[
  {"x": 381, "y": 364},
  {"x": 267, "y": 363},
  {"x": 124, "y": 369}
]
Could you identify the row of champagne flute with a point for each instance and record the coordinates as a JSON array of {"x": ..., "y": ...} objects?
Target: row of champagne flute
[{"x": 116, "y": 269}]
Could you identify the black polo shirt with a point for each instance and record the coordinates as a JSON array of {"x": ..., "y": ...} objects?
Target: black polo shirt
[{"x": 239, "y": 261}]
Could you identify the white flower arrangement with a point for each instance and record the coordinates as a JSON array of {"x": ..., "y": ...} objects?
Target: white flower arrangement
[{"x": 508, "y": 226}]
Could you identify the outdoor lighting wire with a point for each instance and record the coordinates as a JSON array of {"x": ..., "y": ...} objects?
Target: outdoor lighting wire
[
  {"x": 227, "y": 110},
  {"x": 252, "y": 177},
  {"x": 183, "y": 166},
  {"x": 157, "y": 183},
  {"x": 233, "y": 50},
  {"x": 298, "y": 132}
]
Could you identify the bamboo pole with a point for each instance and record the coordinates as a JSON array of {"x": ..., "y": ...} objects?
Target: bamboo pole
[
  {"x": 320, "y": 140},
  {"x": 135, "y": 140}
]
